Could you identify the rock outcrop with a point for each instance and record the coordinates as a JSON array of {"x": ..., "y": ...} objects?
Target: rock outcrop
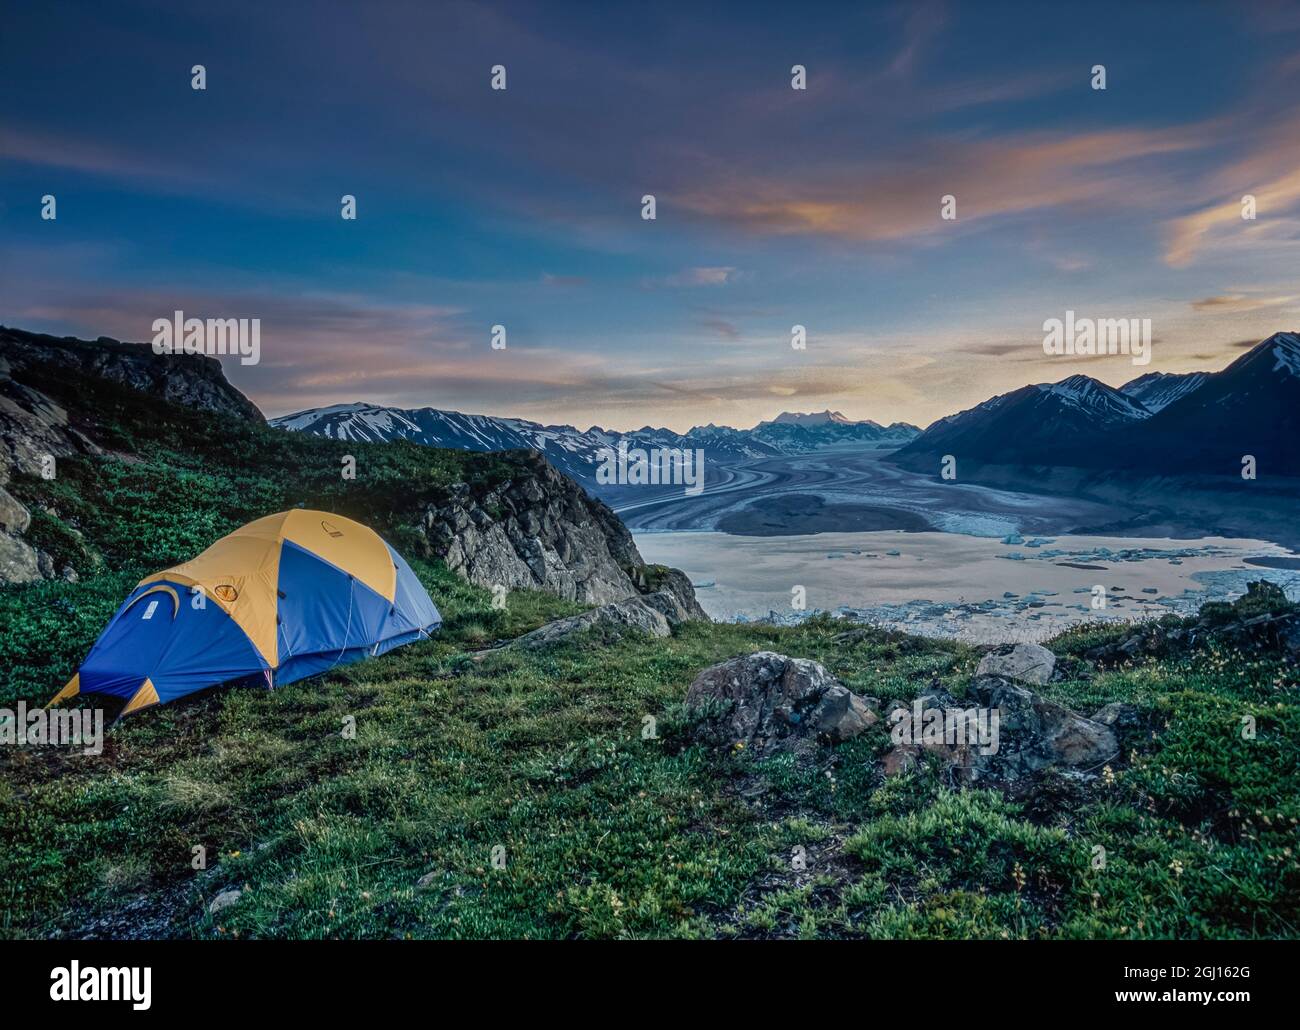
[
  {"x": 618, "y": 618},
  {"x": 768, "y": 702},
  {"x": 34, "y": 428},
  {"x": 1262, "y": 619},
  {"x": 191, "y": 380},
  {"x": 539, "y": 530},
  {"x": 19, "y": 561},
  {"x": 1021, "y": 663},
  {"x": 671, "y": 592}
]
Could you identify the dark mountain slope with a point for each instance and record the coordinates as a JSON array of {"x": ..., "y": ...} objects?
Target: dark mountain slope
[
  {"x": 1252, "y": 407},
  {"x": 1046, "y": 424},
  {"x": 1201, "y": 425}
]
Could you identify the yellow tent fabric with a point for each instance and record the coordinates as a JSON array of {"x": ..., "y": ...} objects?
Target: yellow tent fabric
[{"x": 240, "y": 571}]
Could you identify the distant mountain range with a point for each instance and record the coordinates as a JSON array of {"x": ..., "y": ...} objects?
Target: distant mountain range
[
  {"x": 1159, "y": 423},
  {"x": 1199, "y": 423},
  {"x": 577, "y": 452}
]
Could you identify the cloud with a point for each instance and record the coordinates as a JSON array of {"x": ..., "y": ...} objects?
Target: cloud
[
  {"x": 862, "y": 200},
  {"x": 1190, "y": 233},
  {"x": 998, "y": 349},
  {"x": 27, "y": 147},
  {"x": 721, "y": 327},
  {"x": 718, "y": 275},
  {"x": 1269, "y": 171},
  {"x": 563, "y": 280},
  {"x": 1240, "y": 302}
]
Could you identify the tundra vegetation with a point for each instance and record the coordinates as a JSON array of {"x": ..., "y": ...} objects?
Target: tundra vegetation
[{"x": 524, "y": 793}]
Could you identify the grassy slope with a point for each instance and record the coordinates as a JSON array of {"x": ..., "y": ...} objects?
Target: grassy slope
[{"x": 604, "y": 833}]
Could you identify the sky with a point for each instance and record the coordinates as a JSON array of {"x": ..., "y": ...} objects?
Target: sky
[{"x": 775, "y": 207}]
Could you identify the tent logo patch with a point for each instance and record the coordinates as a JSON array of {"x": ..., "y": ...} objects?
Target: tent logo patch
[
  {"x": 331, "y": 529},
  {"x": 225, "y": 592}
]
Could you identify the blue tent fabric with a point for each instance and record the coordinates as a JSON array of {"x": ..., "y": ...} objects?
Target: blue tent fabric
[
  {"x": 283, "y": 598},
  {"x": 165, "y": 639}
]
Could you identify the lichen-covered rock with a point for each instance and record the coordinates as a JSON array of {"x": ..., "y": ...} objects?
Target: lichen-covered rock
[
  {"x": 630, "y": 614},
  {"x": 1023, "y": 663},
  {"x": 1018, "y": 734},
  {"x": 538, "y": 531},
  {"x": 841, "y": 714},
  {"x": 1037, "y": 732},
  {"x": 541, "y": 531},
  {"x": 766, "y": 702}
]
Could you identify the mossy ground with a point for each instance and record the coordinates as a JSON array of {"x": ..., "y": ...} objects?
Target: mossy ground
[
  {"x": 606, "y": 832},
  {"x": 599, "y": 829}
]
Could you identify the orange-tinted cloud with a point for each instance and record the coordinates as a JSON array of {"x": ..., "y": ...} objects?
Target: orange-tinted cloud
[
  {"x": 1237, "y": 302},
  {"x": 988, "y": 178}
]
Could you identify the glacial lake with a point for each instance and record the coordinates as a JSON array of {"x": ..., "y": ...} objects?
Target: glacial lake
[{"x": 974, "y": 588}]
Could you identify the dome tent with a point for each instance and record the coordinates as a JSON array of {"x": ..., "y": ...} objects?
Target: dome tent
[{"x": 284, "y": 597}]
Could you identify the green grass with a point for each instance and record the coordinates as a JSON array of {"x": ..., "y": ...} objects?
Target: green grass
[
  {"x": 607, "y": 834},
  {"x": 540, "y": 759}
]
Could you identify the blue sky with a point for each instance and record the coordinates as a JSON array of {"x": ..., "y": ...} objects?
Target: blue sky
[{"x": 775, "y": 206}]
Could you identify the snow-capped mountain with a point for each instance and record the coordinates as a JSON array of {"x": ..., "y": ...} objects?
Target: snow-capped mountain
[
  {"x": 1096, "y": 398},
  {"x": 1205, "y": 422},
  {"x": 1034, "y": 425},
  {"x": 1157, "y": 390},
  {"x": 812, "y": 418},
  {"x": 1252, "y": 408},
  {"x": 578, "y": 452},
  {"x": 797, "y": 433},
  {"x": 567, "y": 448}
]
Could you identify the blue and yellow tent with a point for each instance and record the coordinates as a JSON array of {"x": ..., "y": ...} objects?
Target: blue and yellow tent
[{"x": 284, "y": 597}]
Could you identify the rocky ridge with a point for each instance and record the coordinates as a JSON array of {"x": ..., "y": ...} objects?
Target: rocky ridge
[
  {"x": 34, "y": 428},
  {"x": 536, "y": 530}
]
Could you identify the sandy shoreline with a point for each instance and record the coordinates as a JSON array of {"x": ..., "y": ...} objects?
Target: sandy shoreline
[{"x": 957, "y": 585}]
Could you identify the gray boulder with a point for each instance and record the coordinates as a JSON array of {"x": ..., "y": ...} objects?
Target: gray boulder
[
  {"x": 538, "y": 531},
  {"x": 841, "y": 714},
  {"x": 1023, "y": 663},
  {"x": 224, "y": 900},
  {"x": 1032, "y": 734},
  {"x": 1118, "y": 715},
  {"x": 768, "y": 702},
  {"x": 1036, "y": 733},
  {"x": 19, "y": 561},
  {"x": 632, "y": 614}
]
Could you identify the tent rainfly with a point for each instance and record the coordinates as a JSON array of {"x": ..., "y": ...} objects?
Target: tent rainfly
[{"x": 284, "y": 597}]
